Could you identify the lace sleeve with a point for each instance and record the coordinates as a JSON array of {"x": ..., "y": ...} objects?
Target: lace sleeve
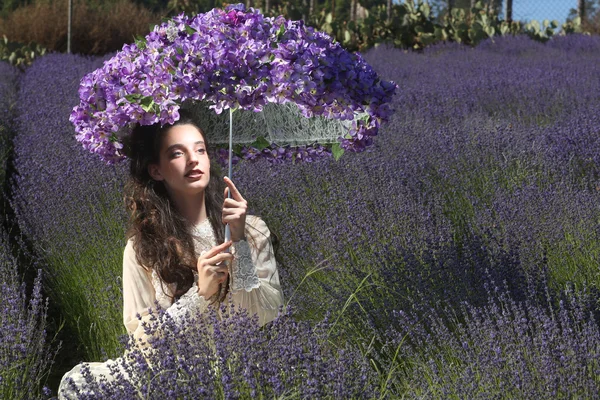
[
  {"x": 191, "y": 302},
  {"x": 254, "y": 278},
  {"x": 243, "y": 271}
]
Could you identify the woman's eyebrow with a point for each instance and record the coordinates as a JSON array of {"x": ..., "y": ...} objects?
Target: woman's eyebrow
[{"x": 179, "y": 145}]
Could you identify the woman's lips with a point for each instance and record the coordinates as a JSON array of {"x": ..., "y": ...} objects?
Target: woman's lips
[{"x": 194, "y": 174}]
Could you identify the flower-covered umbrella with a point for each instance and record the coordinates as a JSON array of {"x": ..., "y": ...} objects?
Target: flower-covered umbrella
[
  {"x": 294, "y": 89},
  {"x": 297, "y": 94}
]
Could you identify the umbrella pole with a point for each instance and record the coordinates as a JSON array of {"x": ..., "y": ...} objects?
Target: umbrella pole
[
  {"x": 227, "y": 230},
  {"x": 222, "y": 287}
]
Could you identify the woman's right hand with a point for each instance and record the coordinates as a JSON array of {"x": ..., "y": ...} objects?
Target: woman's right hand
[{"x": 210, "y": 275}]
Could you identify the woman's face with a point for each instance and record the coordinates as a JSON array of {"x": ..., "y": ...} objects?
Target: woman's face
[{"x": 183, "y": 165}]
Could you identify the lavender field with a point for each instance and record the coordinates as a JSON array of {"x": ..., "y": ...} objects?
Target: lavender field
[{"x": 458, "y": 257}]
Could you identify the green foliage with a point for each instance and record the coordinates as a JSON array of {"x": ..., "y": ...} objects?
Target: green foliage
[
  {"x": 18, "y": 54},
  {"x": 539, "y": 32},
  {"x": 412, "y": 24},
  {"x": 573, "y": 26}
]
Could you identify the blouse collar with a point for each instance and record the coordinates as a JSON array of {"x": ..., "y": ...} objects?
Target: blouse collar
[{"x": 203, "y": 228}]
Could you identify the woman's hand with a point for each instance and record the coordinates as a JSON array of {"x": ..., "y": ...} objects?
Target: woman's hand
[
  {"x": 211, "y": 275},
  {"x": 234, "y": 211}
]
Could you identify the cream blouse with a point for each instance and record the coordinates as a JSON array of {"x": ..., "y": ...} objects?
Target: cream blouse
[{"x": 254, "y": 282}]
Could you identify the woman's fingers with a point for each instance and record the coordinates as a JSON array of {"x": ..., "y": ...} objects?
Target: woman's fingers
[
  {"x": 216, "y": 250},
  {"x": 235, "y": 193},
  {"x": 218, "y": 261},
  {"x": 230, "y": 204},
  {"x": 219, "y": 258}
]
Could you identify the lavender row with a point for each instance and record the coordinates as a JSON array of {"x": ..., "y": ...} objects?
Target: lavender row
[
  {"x": 69, "y": 206},
  {"x": 449, "y": 173}
]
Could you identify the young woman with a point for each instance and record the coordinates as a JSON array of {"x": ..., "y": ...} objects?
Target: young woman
[{"x": 175, "y": 253}]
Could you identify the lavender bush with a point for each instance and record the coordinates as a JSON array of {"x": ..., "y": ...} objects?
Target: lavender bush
[
  {"x": 503, "y": 350},
  {"x": 26, "y": 357},
  {"x": 439, "y": 197},
  {"x": 69, "y": 205},
  {"x": 233, "y": 358}
]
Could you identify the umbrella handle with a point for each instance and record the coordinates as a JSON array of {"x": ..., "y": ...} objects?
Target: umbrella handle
[{"x": 227, "y": 230}]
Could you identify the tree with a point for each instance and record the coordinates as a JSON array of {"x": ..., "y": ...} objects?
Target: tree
[{"x": 592, "y": 8}]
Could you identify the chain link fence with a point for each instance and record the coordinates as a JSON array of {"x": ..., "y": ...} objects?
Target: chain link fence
[
  {"x": 559, "y": 10},
  {"x": 527, "y": 10},
  {"x": 540, "y": 10}
]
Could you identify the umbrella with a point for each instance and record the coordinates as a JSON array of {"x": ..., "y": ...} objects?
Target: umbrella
[{"x": 295, "y": 92}]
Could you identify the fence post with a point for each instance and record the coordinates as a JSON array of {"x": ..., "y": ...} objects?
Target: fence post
[
  {"x": 389, "y": 11},
  {"x": 508, "y": 13},
  {"x": 69, "y": 27}
]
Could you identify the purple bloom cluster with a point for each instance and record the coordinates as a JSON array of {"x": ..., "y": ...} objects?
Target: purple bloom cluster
[
  {"x": 231, "y": 357},
  {"x": 231, "y": 58}
]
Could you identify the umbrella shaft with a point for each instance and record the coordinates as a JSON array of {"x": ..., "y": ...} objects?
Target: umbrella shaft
[{"x": 227, "y": 230}]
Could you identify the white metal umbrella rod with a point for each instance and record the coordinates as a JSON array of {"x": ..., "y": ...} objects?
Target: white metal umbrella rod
[{"x": 227, "y": 230}]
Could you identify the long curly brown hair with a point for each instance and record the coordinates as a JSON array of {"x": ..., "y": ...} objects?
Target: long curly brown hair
[{"x": 162, "y": 236}]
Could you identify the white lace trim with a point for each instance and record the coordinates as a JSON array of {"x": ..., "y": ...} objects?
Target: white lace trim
[
  {"x": 243, "y": 271},
  {"x": 203, "y": 229},
  {"x": 191, "y": 302},
  {"x": 204, "y": 237}
]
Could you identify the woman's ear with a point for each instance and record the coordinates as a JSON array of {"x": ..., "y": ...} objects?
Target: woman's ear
[{"x": 154, "y": 172}]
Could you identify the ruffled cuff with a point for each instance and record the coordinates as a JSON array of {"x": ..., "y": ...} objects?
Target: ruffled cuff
[
  {"x": 243, "y": 271},
  {"x": 191, "y": 302}
]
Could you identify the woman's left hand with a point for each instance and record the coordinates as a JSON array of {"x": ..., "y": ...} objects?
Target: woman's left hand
[{"x": 234, "y": 211}]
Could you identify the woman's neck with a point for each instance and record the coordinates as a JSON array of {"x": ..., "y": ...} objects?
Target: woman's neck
[{"x": 191, "y": 208}]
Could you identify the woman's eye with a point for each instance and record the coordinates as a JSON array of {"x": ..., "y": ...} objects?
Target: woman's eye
[
  {"x": 176, "y": 154},
  {"x": 201, "y": 151}
]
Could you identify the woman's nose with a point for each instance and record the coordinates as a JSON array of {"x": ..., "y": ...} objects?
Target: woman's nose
[{"x": 193, "y": 158}]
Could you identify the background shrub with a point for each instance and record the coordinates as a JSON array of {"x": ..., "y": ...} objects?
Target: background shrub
[{"x": 98, "y": 28}]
